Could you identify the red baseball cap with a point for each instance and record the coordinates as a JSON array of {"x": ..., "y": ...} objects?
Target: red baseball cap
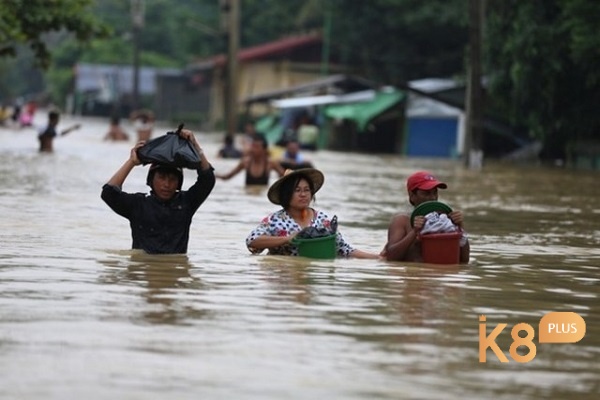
[{"x": 423, "y": 180}]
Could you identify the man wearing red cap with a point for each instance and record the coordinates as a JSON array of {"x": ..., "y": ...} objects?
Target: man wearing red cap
[{"x": 403, "y": 238}]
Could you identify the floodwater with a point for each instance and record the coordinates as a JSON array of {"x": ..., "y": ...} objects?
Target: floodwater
[{"x": 83, "y": 317}]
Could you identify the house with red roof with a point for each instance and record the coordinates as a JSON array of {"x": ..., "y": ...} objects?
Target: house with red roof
[{"x": 276, "y": 65}]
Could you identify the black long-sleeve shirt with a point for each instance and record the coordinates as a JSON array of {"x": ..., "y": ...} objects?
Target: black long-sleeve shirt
[{"x": 159, "y": 227}]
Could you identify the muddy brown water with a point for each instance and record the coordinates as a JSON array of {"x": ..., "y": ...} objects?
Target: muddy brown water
[{"x": 82, "y": 316}]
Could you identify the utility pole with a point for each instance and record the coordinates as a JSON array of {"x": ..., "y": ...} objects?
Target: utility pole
[
  {"x": 137, "y": 23},
  {"x": 474, "y": 135},
  {"x": 326, "y": 40},
  {"x": 231, "y": 20}
]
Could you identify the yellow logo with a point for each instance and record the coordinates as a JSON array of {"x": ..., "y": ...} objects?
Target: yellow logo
[
  {"x": 554, "y": 327},
  {"x": 561, "y": 327}
]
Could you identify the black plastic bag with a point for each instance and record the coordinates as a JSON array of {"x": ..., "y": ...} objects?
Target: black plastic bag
[
  {"x": 310, "y": 232},
  {"x": 170, "y": 149}
]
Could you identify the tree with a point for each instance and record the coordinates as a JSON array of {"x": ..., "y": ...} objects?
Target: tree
[
  {"x": 25, "y": 22},
  {"x": 542, "y": 62},
  {"x": 395, "y": 41}
]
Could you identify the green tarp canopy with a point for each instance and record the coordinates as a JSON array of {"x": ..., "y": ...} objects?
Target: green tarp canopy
[
  {"x": 269, "y": 125},
  {"x": 362, "y": 113}
]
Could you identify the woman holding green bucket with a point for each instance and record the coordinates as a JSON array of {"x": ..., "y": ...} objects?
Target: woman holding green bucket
[{"x": 295, "y": 191}]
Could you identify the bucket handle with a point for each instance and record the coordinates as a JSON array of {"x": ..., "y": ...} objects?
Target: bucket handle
[{"x": 295, "y": 241}]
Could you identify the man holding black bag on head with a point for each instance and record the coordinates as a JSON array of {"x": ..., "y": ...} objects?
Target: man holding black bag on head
[{"x": 160, "y": 221}]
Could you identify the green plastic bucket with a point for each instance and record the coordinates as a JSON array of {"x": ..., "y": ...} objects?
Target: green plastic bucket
[{"x": 323, "y": 247}]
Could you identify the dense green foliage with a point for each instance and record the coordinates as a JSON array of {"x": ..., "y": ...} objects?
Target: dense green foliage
[
  {"x": 397, "y": 41},
  {"x": 543, "y": 61},
  {"x": 541, "y": 57},
  {"x": 26, "y": 21},
  {"x": 29, "y": 29}
]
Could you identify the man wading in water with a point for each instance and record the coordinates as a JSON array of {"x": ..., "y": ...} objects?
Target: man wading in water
[{"x": 160, "y": 221}]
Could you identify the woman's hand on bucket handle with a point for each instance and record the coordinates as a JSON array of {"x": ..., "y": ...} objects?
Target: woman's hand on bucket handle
[{"x": 291, "y": 237}]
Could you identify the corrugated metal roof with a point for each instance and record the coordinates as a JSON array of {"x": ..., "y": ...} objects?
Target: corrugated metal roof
[
  {"x": 310, "y": 101},
  {"x": 265, "y": 50},
  {"x": 333, "y": 84}
]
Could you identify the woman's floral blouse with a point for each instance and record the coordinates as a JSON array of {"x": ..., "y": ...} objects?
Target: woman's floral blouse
[{"x": 280, "y": 223}]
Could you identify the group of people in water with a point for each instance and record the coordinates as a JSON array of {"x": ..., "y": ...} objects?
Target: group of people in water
[
  {"x": 19, "y": 114},
  {"x": 255, "y": 157},
  {"x": 143, "y": 122},
  {"x": 160, "y": 221}
]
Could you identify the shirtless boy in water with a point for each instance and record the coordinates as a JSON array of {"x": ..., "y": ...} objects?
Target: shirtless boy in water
[{"x": 403, "y": 243}]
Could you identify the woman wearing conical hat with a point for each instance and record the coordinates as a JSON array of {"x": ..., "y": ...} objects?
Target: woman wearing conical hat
[{"x": 295, "y": 192}]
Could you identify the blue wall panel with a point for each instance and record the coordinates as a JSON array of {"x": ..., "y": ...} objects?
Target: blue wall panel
[{"x": 432, "y": 137}]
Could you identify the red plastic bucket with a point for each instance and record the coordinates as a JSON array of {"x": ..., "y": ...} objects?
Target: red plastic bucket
[{"x": 441, "y": 248}]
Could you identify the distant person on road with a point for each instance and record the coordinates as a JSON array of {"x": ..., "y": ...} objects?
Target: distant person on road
[
  {"x": 27, "y": 113},
  {"x": 160, "y": 221},
  {"x": 307, "y": 133},
  {"x": 257, "y": 164},
  {"x": 229, "y": 150},
  {"x": 292, "y": 158},
  {"x": 5, "y": 113},
  {"x": 115, "y": 131},
  {"x": 47, "y": 134},
  {"x": 403, "y": 239},
  {"x": 250, "y": 134},
  {"x": 17, "y": 109},
  {"x": 143, "y": 123}
]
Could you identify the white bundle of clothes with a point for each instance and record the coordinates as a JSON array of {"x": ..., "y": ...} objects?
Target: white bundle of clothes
[
  {"x": 438, "y": 223},
  {"x": 441, "y": 223}
]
